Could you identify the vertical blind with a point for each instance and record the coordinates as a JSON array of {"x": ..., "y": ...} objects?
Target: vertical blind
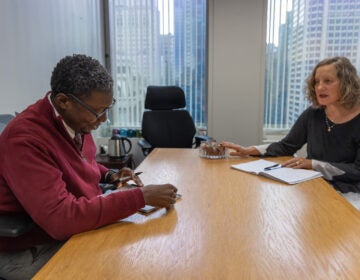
[{"x": 157, "y": 42}]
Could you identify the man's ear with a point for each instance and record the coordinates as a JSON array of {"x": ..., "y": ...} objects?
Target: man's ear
[{"x": 61, "y": 101}]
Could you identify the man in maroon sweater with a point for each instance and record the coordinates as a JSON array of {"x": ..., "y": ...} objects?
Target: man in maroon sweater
[{"x": 54, "y": 179}]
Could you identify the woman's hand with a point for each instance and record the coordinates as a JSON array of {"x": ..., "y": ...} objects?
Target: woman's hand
[
  {"x": 298, "y": 162},
  {"x": 127, "y": 174},
  {"x": 240, "y": 150}
]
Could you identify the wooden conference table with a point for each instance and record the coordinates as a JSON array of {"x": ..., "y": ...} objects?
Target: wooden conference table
[{"x": 228, "y": 225}]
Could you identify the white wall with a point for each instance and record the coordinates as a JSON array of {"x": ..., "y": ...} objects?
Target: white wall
[
  {"x": 35, "y": 35},
  {"x": 236, "y": 69}
]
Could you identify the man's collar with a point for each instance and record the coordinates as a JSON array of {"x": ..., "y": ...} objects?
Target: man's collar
[{"x": 57, "y": 115}]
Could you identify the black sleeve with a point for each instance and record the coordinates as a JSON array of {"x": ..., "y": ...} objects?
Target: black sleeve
[
  {"x": 352, "y": 169},
  {"x": 293, "y": 141}
]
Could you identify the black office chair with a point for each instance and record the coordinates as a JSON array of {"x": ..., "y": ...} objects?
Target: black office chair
[
  {"x": 15, "y": 224},
  {"x": 165, "y": 123},
  {"x": 4, "y": 120}
]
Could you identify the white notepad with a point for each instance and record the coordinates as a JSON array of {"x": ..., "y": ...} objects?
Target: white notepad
[{"x": 283, "y": 174}]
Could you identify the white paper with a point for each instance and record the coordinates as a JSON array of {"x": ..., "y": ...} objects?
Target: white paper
[
  {"x": 283, "y": 174},
  {"x": 255, "y": 166}
]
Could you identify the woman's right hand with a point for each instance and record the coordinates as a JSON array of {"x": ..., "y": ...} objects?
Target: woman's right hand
[{"x": 240, "y": 150}]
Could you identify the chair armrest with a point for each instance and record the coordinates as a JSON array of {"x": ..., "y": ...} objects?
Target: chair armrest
[
  {"x": 200, "y": 138},
  {"x": 15, "y": 225},
  {"x": 145, "y": 146}
]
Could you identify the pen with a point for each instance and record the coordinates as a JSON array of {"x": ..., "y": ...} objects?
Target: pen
[
  {"x": 275, "y": 166},
  {"x": 123, "y": 179}
]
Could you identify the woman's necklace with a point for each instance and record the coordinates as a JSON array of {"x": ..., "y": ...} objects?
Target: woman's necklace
[{"x": 329, "y": 127}]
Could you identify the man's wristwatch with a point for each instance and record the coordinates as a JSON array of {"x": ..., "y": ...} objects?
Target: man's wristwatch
[{"x": 109, "y": 174}]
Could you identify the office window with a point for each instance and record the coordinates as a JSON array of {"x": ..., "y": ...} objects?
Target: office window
[
  {"x": 294, "y": 47},
  {"x": 157, "y": 42}
]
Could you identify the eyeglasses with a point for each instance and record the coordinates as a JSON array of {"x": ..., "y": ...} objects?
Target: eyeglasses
[{"x": 87, "y": 107}]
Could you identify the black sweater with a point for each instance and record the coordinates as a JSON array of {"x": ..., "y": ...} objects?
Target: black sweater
[{"x": 339, "y": 147}]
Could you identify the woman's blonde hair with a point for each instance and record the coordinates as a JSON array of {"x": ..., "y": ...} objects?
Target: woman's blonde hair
[{"x": 349, "y": 82}]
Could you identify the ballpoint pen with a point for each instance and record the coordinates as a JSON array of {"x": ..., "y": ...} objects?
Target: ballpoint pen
[{"x": 275, "y": 166}]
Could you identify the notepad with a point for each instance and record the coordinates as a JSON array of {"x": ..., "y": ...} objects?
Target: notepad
[{"x": 283, "y": 174}]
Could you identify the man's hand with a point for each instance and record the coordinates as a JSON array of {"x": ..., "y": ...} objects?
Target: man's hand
[
  {"x": 126, "y": 173},
  {"x": 159, "y": 195}
]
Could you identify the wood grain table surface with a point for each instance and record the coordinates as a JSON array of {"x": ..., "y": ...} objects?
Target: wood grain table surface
[{"x": 228, "y": 225}]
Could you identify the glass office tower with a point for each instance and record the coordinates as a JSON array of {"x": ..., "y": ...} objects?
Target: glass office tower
[
  {"x": 145, "y": 53},
  {"x": 312, "y": 30}
]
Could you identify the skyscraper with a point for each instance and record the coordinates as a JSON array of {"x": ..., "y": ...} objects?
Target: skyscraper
[
  {"x": 144, "y": 56},
  {"x": 137, "y": 56},
  {"x": 319, "y": 29},
  {"x": 314, "y": 29},
  {"x": 190, "y": 55}
]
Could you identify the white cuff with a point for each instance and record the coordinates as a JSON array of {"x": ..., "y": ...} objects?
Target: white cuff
[
  {"x": 326, "y": 169},
  {"x": 261, "y": 148}
]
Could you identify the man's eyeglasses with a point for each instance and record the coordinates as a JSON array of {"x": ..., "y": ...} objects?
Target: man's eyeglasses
[{"x": 87, "y": 107}]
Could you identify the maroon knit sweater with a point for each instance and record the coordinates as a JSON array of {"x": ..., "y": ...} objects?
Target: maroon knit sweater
[{"x": 43, "y": 174}]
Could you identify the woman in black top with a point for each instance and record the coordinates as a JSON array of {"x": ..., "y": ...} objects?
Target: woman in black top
[{"x": 330, "y": 127}]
